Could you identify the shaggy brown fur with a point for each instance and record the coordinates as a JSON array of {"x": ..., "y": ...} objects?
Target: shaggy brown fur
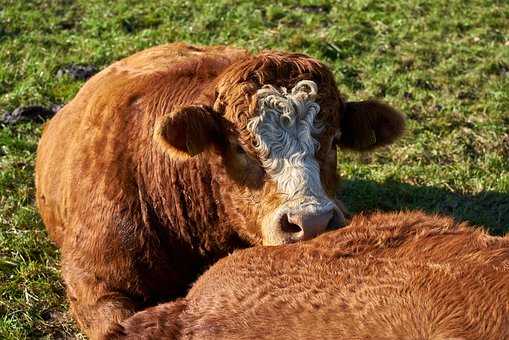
[
  {"x": 386, "y": 276},
  {"x": 148, "y": 175}
]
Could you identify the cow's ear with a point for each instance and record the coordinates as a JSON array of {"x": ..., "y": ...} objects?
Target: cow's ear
[
  {"x": 187, "y": 131},
  {"x": 369, "y": 124}
]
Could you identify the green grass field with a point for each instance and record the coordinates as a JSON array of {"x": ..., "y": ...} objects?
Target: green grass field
[{"x": 445, "y": 64}]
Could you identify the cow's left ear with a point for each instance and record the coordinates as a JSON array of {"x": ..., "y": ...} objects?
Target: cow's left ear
[
  {"x": 369, "y": 124},
  {"x": 187, "y": 131}
]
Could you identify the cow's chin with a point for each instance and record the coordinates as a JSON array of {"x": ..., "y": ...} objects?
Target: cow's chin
[
  {"x": 276, "y": 240},
  {"x": 272, "y": 233}
]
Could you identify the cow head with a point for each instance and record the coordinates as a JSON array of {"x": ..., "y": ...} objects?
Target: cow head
[{"x": 276, "y": 120}]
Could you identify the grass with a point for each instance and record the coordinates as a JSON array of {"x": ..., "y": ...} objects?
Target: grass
[{"x": 444, "y": 63}]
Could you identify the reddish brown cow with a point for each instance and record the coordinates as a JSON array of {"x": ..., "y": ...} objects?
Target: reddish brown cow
[
  {"x": 386, "y": 276},
  {"x": 172, "y": 158}
]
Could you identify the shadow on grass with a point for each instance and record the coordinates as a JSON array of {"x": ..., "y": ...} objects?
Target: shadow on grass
[{"x": 488, "y": 209}]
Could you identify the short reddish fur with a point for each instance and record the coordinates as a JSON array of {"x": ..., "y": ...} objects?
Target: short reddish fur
[
  {"x": 385, "y": 276},
  {"x": 135, "y": 226}
]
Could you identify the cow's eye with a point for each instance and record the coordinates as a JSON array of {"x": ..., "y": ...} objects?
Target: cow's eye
[{"x": 240, "y": 150}]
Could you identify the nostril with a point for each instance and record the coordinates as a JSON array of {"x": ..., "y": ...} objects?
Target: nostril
[
  {"x": 288, "y": 227},
  {"x": 336, "y": 221}
]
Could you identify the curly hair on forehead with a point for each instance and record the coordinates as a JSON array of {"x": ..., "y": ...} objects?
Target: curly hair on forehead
[
  {"x": 276, "y": 68},
  {"x": 237, "y": 87}
]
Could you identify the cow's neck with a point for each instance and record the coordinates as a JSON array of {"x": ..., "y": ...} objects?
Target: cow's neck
[{"x": 188, "y": 202}]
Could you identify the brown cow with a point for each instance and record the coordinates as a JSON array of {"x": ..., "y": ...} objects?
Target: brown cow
[
  {"x": 386, "y": 276},
  {"x": 172, "y": 158}
]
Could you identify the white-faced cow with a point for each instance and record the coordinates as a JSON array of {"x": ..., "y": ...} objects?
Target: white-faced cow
[{"x": 172, "y": 158}]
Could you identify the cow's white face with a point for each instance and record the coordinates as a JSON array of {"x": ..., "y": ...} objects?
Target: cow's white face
[{"x": 284, "y": 132}]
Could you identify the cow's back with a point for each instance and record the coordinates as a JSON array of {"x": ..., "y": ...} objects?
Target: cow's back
[
  {"x": 388, "y": 276},
  {"x": 88, "y": 153},
  {"x": 357, "y": 298}
]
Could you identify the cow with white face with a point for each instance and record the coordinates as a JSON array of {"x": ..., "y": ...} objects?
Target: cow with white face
[
  {"x": 285, "y": 133},
  {"x": 276, "y": 120},
  {"x": 172, "y": 158}
]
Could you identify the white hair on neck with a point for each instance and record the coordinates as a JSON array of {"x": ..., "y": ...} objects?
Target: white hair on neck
[{"x": 283, "y": 132}]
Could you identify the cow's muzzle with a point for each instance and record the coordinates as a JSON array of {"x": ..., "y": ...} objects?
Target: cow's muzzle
[{"x": 303, "y": 222}]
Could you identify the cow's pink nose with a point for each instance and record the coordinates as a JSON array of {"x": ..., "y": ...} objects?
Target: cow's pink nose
[{"x": 301, "y": 226}]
